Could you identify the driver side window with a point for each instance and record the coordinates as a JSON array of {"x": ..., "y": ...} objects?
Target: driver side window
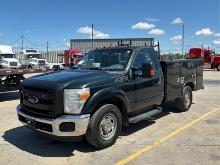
[{"x": 140, "y": 58}]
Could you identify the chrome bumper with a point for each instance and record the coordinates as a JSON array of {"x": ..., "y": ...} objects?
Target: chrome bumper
[{"x": 80, "y": 121}]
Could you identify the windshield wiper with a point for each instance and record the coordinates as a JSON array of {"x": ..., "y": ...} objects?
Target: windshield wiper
[
  {"x": 95, "y": 68},
  {"x": 74, "y": 67}
]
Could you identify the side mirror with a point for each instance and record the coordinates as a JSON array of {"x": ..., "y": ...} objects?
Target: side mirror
[{"x": 147, "y": 70}]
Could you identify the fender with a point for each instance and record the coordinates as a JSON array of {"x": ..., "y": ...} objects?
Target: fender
[
  {"x": 192, "y": 85},
  {"x": 102, "y": 95}
]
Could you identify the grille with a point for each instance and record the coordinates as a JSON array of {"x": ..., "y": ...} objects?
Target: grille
[
  {"x": 41, "y": 62},
  {"x": 13, "y": 64},
  {"x": 44, "y": 104}
]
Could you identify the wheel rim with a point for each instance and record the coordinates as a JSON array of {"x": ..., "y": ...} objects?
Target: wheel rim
[
  {"x": 218, "y": 67},
  {"x": 107, "y": 127},
  {"x": 187, "y": 98}
]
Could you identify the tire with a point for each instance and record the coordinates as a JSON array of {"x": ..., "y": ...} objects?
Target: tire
[
  {"x": 218, "y": 67},
  {"x": 184, "y": 103},
  {"x": 99, "y": 133},
  {"x": 56, "y": 67}
]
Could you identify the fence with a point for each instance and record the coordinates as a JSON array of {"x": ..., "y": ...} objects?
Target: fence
[{"x": 53, "y": 56}]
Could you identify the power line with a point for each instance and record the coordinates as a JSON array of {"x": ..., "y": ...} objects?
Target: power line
[{"x": 15, "y": 41}]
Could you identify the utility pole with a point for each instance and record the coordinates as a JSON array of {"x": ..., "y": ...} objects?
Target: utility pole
[
  {"x": 22, "y": 42},
  {"x": 92, "y": 36},
  {"x": 47, "y": 47},
  {"x": 183, "y": 37}
]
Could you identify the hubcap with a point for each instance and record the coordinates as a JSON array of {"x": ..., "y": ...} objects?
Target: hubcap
[
  {"x": 108, "y": 126},
  {"x": 187, "y": 98}
]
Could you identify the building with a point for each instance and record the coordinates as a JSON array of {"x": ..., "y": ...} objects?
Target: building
[{"x": 86, "y": 45}]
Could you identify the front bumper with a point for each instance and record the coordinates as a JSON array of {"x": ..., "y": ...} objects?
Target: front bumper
[{"x": 52, "y": 126}]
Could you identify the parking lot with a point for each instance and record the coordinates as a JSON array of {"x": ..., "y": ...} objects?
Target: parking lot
[{"x": 172, "y": 138}]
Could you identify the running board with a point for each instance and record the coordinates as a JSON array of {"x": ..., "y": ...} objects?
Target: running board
[{"x": 146, "y": 115}]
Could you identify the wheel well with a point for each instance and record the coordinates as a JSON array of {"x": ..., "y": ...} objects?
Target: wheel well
[
  {"x": 191, "y": 85},
  {"x": 119, "y": 104}
]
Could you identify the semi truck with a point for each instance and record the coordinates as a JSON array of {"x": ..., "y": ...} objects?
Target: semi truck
[
  {"x": 7, "y": 58},
  {"x": 31, "y": 58},
  {"x": 211, "y": 60},
  {"x": 70, "y": 57},
  {"x": 108, "y": 88}
]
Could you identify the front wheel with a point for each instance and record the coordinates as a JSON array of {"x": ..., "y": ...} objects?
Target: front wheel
[
  {"x": 104, "y": 126},
  {"x": 184, "y": 103}
]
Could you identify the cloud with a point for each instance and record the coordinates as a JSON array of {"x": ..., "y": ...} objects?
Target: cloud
[
  {"x": 143, "y": 26},
  {"x": 156, "y": 32},
  {"x": 1, "y": 35},
  {"x": 216, "y": 42},
  {"x": 176, "y": 39},
  {"x": 204, "y": 32},
  {"x": 97, "y": 34},
  {"x": 152, "y": 19},
  {"x": 217, "y": 34},
  {"x": 177, "y": 20}
]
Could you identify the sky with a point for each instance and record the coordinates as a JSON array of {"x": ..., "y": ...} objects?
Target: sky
[{"x": 58, "y": 21}]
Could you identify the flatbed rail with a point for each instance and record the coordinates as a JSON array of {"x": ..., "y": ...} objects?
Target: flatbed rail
[
  {"x": 7, "y": 72},
  {"x": 10, "y": 79}
]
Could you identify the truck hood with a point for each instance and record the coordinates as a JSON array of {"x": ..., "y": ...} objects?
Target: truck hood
[
  {"x": 76, "y": 78},
  {"x": 10, "y": 59}
]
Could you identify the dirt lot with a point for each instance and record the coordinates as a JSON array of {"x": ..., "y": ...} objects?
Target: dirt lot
[{"x": 191, "y": 137}]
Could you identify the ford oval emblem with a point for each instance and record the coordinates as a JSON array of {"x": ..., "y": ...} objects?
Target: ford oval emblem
[{"x": 33, "y": 99}]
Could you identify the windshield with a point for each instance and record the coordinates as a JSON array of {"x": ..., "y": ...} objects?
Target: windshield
[
  {"x": 109, "y": 59},
  {"x": 33, "y": 56},
  {"x": 7, "y": 56}
]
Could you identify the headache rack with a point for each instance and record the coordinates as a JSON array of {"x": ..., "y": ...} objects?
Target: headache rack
[{"x": 124, "y": 43}]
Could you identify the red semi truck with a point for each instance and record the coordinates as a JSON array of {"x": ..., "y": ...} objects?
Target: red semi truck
[
  {"x": 209, "y": 56},
  {"x": 71, "y": 57}
]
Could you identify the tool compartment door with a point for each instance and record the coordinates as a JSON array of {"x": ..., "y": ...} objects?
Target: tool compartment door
[{"x": 172, "y": 83}]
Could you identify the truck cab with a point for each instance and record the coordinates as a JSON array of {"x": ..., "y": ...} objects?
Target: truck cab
[
  {"x": 108, "y": 88},
  {"x": 7, "y": 58},
  {"x": 32, "y": 58},
  {"x": 71, "y": 57}
]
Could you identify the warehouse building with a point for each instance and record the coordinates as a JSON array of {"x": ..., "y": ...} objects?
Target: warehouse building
[{"x": 86, "y": 45}]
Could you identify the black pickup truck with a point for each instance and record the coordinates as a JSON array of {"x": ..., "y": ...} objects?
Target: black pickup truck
[{"x": 108, "y": 88}]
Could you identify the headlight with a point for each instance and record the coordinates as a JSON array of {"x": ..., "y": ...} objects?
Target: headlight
[{"x": 74, "y": 100}]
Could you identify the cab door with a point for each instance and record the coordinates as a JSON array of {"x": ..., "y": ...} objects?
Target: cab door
[{"x": 146, "y": 92}]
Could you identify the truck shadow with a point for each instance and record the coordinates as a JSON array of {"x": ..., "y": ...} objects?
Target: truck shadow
[
  {"x": 31, "y": 142},
  {"x": 36, "y": 144},
  {"x": 167, "y": 109},
  {"x": 9, "y": 96}
]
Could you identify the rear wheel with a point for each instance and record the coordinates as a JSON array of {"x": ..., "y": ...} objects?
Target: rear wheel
[
  {"x": 104, "y": 126},
  {"x": 184, "y": 103},
  {"x": 218, "y": 67}
]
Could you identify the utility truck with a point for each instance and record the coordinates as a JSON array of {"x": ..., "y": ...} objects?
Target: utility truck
[{"x": 108, "y": 88}]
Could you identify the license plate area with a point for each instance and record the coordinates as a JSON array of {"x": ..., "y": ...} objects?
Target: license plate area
[{"x": 31, "y": 123}]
